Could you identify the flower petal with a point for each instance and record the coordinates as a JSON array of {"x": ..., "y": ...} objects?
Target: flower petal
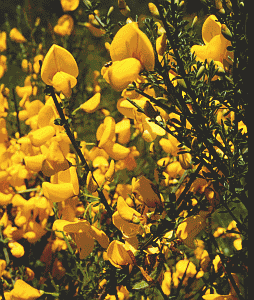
[
  {"x": 63, "y": 82},
  {"x": 210, "y": 28},
  {"x": 130, "y": 41},
  {"x": 92, "y": 104},
  {"x": 121, "y": 73},
  {"x": 58, "y": 59}
]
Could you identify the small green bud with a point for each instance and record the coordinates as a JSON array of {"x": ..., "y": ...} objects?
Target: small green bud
[
  {"x": 182, "y": 83},
  {"x": 195, "y": 19},
  {"x": 200, "y": 72},
  {"x": 110, "y": 11},
  {"x": 226, "y": 32}
]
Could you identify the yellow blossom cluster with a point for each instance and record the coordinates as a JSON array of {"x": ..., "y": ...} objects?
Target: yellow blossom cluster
[{"x": 52, "y": 186}]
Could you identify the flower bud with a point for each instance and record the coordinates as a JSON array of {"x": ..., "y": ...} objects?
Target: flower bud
[
  {"x": 200, "y": 72},
  {"x": 90, "y": 183},
  {"x": 109, "y": 175},
  {"x": 153, "y": 10},
  {"x": 195, "y": 19},
  {"x": 226, "y": 32},
  {"x": 185, "y": 160}
]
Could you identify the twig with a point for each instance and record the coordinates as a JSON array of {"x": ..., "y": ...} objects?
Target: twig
[
  {"x": 17, "y": 111},
  {"x": 76, "y": 147}
]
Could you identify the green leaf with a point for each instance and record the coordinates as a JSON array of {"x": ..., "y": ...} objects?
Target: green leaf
[{"x": 140, "y": 285}]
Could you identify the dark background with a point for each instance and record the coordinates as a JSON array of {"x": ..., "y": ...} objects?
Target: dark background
[{"x": 46, "y": 8}]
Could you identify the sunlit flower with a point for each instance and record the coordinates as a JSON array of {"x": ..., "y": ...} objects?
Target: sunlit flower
[
  {"x": 16, "y": 36},
  {"x": 41, "y": 136},
  {"x": 24, "y": 291},
  {"x": 184, "y": 267},
  {"x": 55, "y": 161},
  {"x": 92, "y": 104},
  {"x": 216, "y": 44},
  {"x": 131, "y": 52},
  {"x": 69, "y": 5},
  {"x": 121, "y": 73},
  {"x": 26, "y": 66},
  {"x": 118, "y": 255},
  {"x": 190, "y": 228},
  {"x": 59, "y": 69},
  {"x": 3, "y": 65},
  {"x": 145, "y": 192},
  {"x": 126, "y": 212},
  {"x": 83, "y": 234},
  {"x": 2, "y": 266},
  {"x": 149, "y": 130},
  {"x": 123, "y": 129},
  {"x": 36, "y": 64},
  {"x": 129, "y": 42},
  {"x": 166, "y": 283},
  {"x": 3, "y": 45},
  {"x": 63, "y": 185},
  {"x": 3, "y": 102},
  {"x": 109, "y": 175},
  {"x": 17, "y": 249},
  {"x": 65, "y": 25}
]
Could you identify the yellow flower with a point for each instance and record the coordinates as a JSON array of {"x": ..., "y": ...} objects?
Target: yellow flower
[
  {"x": 123, "y": 129},
  {"x": 190, "y": 228},
  {"x": 3, "y": 65},
  {"x": 184, "y": 267},
  {"x": 2, "y": 266},
  {"x": 24, "y": 291},
  {"x": 131, "y": 51},
  {"x": 126, "y": 212},
  {"x": 92, "y": 104},
  {"x": 109, "y": 175},
  {"x": 216, "y": 44},
  {"x": 128, "y": 229},
  {"x": 145, "y": 192},
  {"x": 63, "y": 185},
  {"x": 83, "y": 234},
  {"x": 41, "y": 136},
  {"x": 59, "y": 69},
  {"x": 69, "y": 5},
  {"x": 17, "y": 250},
  {"x": 118, "y": 255},
  {"x": 65, "y": 25},
  {"x": 16, "y": 36},
  {"x": 26, "y": 66},
  {"x": 121, "y": 73},
  {"x": 36, "y": 64},
  {"x": 55, "y": 160},
  {"x": 3, "y": 45},
  {"x": 129, "y": 42},
  {"x": 149, "y": 130},
  {"x": 166, "y": 283},
  {"x": 153, "y": 10}
]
